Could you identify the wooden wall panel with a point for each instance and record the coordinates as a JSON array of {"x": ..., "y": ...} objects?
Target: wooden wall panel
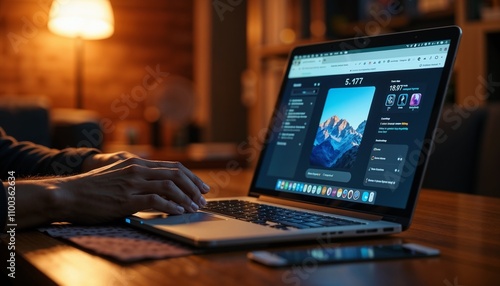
[{"x": 147, "y": 33}]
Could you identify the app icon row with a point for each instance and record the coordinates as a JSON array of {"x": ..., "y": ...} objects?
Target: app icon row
[
  {"x": 402, "y": 99},
  {"x": 328, "y": 191}
]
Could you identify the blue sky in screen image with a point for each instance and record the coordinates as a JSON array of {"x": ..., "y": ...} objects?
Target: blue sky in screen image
[{"x": 350, "y": 103}]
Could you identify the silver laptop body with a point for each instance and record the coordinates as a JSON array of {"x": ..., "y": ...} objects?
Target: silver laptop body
[{"x": 349, "y": 139}]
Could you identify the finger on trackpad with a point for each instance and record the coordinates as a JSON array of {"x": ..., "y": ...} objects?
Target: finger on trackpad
[{"x": 162, "y": 218}]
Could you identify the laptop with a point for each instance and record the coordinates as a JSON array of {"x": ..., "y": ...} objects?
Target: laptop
[{"x": 346, "y": 147}]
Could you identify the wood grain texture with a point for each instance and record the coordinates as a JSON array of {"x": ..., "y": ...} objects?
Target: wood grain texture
[{"x": 464, "y": 227}]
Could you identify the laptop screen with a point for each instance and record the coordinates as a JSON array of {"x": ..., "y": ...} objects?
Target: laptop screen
[{"x": 351, "y": 122}]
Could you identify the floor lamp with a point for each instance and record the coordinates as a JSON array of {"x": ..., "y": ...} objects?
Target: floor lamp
[{"x": 81, "y": 20}]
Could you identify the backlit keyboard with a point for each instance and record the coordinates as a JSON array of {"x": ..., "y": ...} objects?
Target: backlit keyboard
[{"x": 272, "y": 216}]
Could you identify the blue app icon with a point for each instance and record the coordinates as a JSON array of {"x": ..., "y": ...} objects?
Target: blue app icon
[
  {"x": 390, "y": 100},
  {"x": 402, "y": 99},
  {"x": 344, "y": 193},
  {"x": 356, "y": 195},
  {"x": 365, "y": 196}
]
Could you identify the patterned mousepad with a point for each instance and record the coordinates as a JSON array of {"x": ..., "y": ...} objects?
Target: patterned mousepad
[{"x": 121, "y": 243}]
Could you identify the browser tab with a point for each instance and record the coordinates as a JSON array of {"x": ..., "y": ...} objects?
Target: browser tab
[{"x": 374, "y": 60}]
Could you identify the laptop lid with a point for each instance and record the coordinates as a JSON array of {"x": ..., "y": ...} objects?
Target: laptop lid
[{"x": 354, "y": 122}]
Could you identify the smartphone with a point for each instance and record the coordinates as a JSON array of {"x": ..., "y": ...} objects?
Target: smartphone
[{"x": 341, "y": 254}]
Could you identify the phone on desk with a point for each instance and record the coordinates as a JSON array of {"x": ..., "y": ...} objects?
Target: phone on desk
[{"x": 341, "y": 254}]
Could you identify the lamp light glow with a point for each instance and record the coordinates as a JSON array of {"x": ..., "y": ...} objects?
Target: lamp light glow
[{"x": 86, "y": 19}]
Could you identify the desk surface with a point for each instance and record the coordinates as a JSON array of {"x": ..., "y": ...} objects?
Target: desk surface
[{"x": 465, "y": 228}]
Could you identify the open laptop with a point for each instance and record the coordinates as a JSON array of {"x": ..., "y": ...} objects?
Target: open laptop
[{"x": 346, "y": 148}]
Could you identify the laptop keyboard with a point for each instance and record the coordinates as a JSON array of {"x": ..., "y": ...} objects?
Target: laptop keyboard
[{"x": 275, "y": 217}]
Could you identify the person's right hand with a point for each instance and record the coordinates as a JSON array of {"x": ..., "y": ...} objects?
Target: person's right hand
[{"x": 128, "y": 186}]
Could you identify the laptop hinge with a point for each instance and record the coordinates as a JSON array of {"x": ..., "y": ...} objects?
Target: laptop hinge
[{"x": 320, "y": 208}]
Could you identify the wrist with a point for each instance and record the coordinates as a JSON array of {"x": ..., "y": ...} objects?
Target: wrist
[
  {"x": 57, "y": 202},
  {"x": 40, "y": 202}
]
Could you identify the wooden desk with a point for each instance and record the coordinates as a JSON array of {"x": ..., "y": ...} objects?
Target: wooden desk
[{"x": 465, "y": 228}]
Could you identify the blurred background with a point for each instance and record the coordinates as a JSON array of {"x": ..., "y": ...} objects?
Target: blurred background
[{"x": 170, "y": 75}]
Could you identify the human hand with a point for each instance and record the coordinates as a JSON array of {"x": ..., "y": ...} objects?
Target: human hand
[
  {"x": 127, "y": 186},
  {"x": 99, "y": 160}
]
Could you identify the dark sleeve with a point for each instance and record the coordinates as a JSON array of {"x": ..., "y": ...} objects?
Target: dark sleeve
[
  {"x": 28, "y": 159},
  {"x": 3, "y": 207}
]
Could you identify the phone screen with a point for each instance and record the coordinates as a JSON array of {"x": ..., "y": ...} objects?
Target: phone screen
[{"x": 342, "y": 254}]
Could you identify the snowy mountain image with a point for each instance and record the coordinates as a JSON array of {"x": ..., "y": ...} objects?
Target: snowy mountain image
[
  {"x": 336, "y": 144},
  {"x": 341, "y": 127}
]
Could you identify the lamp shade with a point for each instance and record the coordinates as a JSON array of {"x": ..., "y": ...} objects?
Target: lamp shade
[{"x": 87, "y": 19}]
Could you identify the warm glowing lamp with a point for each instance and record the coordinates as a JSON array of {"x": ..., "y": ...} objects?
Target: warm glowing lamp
[{"x": 81, "y": 20}]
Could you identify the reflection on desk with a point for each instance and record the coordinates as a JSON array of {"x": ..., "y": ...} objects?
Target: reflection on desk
[{"x": 465, "y": 228}]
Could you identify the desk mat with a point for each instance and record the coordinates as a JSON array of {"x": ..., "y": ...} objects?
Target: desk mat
[{"x": 121, "y": 243}]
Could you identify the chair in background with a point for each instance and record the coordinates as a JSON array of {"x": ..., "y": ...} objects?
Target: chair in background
[
  {"x": 468, "y": 160},
  {"x": 30, "y": 118}
]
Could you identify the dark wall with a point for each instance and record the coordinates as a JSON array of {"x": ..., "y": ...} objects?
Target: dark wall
[{"x": 229, "y": 61}]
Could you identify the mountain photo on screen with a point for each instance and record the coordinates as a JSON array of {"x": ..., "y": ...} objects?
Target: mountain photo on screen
[{"x": 341, "y": 127}]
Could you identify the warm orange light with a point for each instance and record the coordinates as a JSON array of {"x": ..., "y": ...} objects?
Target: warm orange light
[
  {"x": 87, "y": 19},
  {"x": 287, "y": 36}
]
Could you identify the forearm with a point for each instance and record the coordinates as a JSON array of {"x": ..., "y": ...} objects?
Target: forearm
[
  {"x": 29, "y": 159},
  {"x": 36, "y": 202}
]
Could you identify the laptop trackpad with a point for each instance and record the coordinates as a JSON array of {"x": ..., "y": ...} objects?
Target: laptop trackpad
[{"x": 183, "y": 219}]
